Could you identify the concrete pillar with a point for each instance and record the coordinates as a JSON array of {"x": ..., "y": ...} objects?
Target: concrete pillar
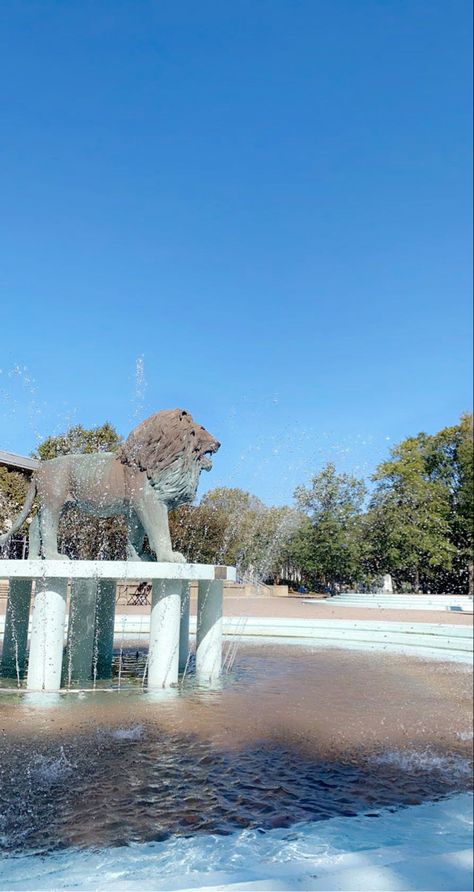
[
  {"x": 104, "y": 628},
  {"x": 15, "y": 638},
  {"x": 47, "y": 635},
  {"x": 184, "y": 627},
  {"x": 163, "y": 654},
  {"x": 209, "y": 632},
  {"x": 81, "y": 631}
]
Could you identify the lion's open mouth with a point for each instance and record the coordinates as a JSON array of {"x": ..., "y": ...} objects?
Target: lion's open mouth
[{"x": 205, "y": 462}]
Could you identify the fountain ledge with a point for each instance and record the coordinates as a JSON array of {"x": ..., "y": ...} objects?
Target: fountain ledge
[{"x": 67, "y": 569}]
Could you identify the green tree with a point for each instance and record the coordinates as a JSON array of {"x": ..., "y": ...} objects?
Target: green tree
[
  {"x": 328, "y": 544},
  {"x": 450, "y": 460},
  {"x": 409, "y": 514},
  {"x": 463, "y": 496},
  {"x": 233, "y": 527},
  {"x": 255, "y": 536},
  {"x": 241, "y": 518},
  {"x": 278, "y": 528},
  {"x": 197, "y": 532},
  {"x": 79, "y": 439},
  {"x": 13, "y": 489}
]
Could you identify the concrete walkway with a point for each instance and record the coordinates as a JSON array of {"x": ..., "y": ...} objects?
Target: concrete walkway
[
  {"x": 295, "y": 608},
  {"x": 433, "y": 634},
  {"x": 298, "y": 608}
]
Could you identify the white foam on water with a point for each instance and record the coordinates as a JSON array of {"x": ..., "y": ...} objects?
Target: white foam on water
[
  {"x": 45, "y": 771},
  {"x": 465, "y": 735},
  {"x": 287, "y": 858},
  {"x": 452, "y": 764},
  {"x": 136, "y": 732}
]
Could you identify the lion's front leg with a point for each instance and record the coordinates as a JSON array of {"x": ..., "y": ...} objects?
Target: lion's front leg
[
  {"x": 135, "y": 539},
  {"x": 153, "y": 516}
]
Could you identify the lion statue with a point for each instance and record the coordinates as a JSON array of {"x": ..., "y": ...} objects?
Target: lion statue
[{"x": 156, "y": 469}]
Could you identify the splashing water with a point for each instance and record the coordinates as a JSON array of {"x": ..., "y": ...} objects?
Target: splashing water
[
  {"x": 140, "y": 388},
  {"x": 46, "y": 771},
  {"x": 136, "y": 732},
  {"x": 449, "y": 765},
  {"x": 19, "y": 390}
]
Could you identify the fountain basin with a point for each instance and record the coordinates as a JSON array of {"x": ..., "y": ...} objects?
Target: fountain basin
[{"x": 308, "y": 762}]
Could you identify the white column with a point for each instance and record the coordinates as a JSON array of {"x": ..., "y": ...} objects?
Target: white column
[
  {"x": 209, "y": 632},
  {"x": 163, "y": 653},
  {"x": 81, "y": 630},
  {"x": 184, "y": 627},
  {"x": 47, "y": 635},
  {"x": 15, "y": 638},
  {"x": 104, "y": 628}
]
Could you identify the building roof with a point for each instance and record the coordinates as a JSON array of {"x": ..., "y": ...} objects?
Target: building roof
[{"x": 18, "y": 462}]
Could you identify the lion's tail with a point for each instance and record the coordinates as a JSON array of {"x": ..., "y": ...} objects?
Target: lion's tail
[{"x": 21, "y": 517}]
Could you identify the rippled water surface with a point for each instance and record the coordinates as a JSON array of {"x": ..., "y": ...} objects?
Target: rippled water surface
[{"x": 293, "y": 736}]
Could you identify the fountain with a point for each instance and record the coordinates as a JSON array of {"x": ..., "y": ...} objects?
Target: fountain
[{"x": 157, "y": 468}]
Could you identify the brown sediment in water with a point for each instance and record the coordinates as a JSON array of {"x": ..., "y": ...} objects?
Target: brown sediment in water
[
  {"x": 321, "y": 699},
  {"x": 292, "y": 736}
]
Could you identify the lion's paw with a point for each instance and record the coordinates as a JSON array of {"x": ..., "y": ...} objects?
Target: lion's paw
[{"x": 177, "y": 558}]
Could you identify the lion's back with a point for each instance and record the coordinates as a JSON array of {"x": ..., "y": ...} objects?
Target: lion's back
[{"x": 83, "y": 475}]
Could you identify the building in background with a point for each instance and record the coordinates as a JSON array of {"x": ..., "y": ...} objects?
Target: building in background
[{"x": 18, "y": 545}]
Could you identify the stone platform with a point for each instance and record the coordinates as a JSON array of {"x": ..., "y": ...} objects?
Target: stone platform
[{"x": 91, "y": 619}]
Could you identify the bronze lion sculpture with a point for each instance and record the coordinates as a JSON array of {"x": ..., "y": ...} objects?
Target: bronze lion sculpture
[{"x": 157, "y": 468}]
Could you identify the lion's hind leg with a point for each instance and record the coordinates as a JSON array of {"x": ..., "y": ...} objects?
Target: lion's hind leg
[
  {"x": 34, "y": 539},
  {"x": 49, "y": 525}
]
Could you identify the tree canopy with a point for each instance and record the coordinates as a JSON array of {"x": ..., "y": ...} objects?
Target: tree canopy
[
  {"x": 233, "y": 527},
  {"x": 420, "y": 516},
  {"x": 411, "y": 509},
  {"x": 13, "y": 489},
  {"x": 327, "y": 545},
  {"x": 79, "y": 439}
]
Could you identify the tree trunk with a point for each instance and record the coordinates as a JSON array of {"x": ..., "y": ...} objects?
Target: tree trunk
[
  {"x": 417, "y": 581},
  {"x": 471, "y": 577}
]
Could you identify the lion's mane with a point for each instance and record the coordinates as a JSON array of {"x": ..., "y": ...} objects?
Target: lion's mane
[{"x": 169, "y": 446}]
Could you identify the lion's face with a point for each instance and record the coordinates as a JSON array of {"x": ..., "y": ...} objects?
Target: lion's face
[
  {"x": 203, "y": 445},
  {"x": 173, "y": 450}
]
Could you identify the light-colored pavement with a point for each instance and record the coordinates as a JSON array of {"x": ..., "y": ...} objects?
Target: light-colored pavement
[{"x": 294, "y": 608}]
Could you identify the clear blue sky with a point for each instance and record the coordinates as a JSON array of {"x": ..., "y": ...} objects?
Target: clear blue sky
[{"x": 266, "y": 200}]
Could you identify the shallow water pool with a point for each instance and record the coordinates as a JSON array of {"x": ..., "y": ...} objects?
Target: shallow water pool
[{"x": 295, "y": 740}]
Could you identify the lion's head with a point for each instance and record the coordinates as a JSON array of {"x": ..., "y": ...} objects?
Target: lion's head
[{"x": 173, "y": 450}]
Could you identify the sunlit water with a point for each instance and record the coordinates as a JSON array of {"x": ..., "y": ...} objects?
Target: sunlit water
[
  {"x": 283, "y": 858},
  {"x": 293, "y": 737}
]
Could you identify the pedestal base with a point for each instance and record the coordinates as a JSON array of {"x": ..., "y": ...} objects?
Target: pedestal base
[
  {"x": 209, "y": 632},
  {"x": 47, "y": 636},
  {"x": 15, "y": 639},
  {"x": 163, "y": 653}
]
